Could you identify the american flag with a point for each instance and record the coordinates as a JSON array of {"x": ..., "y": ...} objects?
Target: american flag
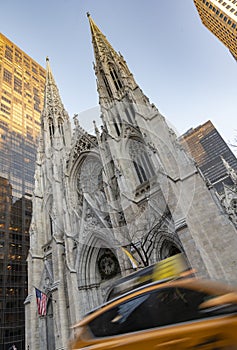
[{"x": 41, "y": 300}]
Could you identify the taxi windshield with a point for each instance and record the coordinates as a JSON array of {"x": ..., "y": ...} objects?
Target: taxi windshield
[{"x": 157, "y": 308}]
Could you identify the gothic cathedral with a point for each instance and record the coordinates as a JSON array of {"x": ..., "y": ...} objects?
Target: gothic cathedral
[{"x": 129, "y": 186}]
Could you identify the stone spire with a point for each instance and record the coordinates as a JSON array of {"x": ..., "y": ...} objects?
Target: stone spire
[
  {"x": 56, "y": 129},
  {"x": 113, "y": 76},
  {"x": 101, "y": 45},
  {"x": 53, "y": 105}
]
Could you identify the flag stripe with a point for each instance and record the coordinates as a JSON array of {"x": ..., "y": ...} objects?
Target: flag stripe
[{"x": 41, "y": 300}]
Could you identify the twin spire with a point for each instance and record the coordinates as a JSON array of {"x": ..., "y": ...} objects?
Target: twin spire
[
  {"x": 102, "y": 47},
  {"x": 113, "y": 76},
  {"x": 53, "y": 105},
  {"x": 112, "y": 73}
]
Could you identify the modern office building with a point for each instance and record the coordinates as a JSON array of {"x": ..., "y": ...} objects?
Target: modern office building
[
  {"x": 22, "y": 83},
  {"x": 208, "y": 149},
  {"x": 220, "y": 17}
]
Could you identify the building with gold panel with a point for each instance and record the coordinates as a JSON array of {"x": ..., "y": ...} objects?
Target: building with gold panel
[
  {"x": 208, "y": 149},
  {"x": 22, "y": 83},
  {"x": 220, "y": 17}
]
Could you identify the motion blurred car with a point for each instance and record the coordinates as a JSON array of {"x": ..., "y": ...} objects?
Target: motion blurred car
[{"x": 181, "y": 313}]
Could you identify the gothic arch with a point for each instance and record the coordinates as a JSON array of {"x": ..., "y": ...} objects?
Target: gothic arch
[
  {"x": 115, "y": 76},
  {"x": 89, "y": 174},
  {"x": 140, "y": 158},
  {"x": 51, "y": 128},
  {"x": 89, "y": 256},
  {"x": 76, "y": 167},
  {"x": 61, "y": 128},
  {"x": 167, "y": 245},
  {"x": 76, "y": 195}
]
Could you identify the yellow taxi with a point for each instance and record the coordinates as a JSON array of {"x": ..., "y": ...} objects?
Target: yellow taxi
[{"x": 180, "y": 313}]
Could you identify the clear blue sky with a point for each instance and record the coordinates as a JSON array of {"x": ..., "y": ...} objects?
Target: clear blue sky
[{"x": 182, "y": 67}]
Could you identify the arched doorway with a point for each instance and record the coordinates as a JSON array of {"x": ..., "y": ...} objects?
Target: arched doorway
[{"x": 168, "y": 248}]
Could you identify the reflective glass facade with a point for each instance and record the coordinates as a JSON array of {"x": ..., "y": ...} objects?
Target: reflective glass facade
[
  {"x": 207, "y": 148},
  {"x": 220, "y": 17},
  {"x": 22, "y": 83}
]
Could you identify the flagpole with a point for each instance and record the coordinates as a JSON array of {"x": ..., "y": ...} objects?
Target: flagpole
[{"x": 131, "y": 258}]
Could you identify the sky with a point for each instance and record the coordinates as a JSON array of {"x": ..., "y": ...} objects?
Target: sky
[{"x": 179, "y": 64}]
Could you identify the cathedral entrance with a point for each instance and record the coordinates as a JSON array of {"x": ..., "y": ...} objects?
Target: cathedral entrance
[{"x": 168, "y": 249}]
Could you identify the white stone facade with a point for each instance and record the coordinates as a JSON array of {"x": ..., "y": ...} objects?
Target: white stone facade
[{"x": 132, "y": 185}]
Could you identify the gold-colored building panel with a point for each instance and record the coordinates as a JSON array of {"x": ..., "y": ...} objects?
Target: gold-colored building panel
[
  {"x": 21, "y": 88},
  {"x": 22, "y": 83},
  {"x": 221, "y": 19}
]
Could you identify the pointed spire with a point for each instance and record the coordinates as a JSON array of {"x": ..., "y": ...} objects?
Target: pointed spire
[
  {"x": 55, "y": 122},
  {"x": 52, "y": 100},
  {"x": 101, "y": 45},
  {"x": 113, "y": 75}
]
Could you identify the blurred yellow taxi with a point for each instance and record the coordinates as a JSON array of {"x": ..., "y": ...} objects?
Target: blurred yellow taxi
[{"x": 182, "y": 313}]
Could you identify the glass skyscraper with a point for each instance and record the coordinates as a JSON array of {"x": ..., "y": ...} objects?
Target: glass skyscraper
[
  {"x": 22, "y": 82},
  {"x": 207, "y": 148},
  {"x": 220, "y": 17}
]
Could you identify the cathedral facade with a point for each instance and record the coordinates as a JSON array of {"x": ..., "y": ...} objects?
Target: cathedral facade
[{"x": 130, "y": 188}]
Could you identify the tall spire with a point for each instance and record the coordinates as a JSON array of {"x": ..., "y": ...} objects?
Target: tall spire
[
  {"x": 101, "y": 45},
  {"x": 54, "y": 119},
  {"x": 53, "y": 105},
  {"x": 113, "y": 76}
]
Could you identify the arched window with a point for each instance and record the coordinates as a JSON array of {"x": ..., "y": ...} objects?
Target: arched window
[
  {"x": 117, "y": 83},
  {"x": 60, "y": 128},
  {"x": 142, "y": 176},
  {"x": 141, "y": 161},
  {"x": 90, "y": 176},
  {"x": 51, "y": 129},
  {"x": 106, "y": 83}
]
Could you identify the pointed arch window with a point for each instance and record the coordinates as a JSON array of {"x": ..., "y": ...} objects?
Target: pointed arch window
[
  {"x": 51, "y": 129},
  {"x": 106, "y": 83},
  {"x": 60, "y": 128},
  {"x": 117, "y": 82},
  {"x": 142, "y": 176},
  {"x": 141, "y": 161}
]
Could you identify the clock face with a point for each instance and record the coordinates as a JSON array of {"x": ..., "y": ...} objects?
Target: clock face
[{"x": 108, "y": 265}]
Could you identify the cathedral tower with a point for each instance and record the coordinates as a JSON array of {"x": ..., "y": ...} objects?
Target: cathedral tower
[
  {"x": 131, "y": 187},
  {"x": 49, "y": 265},
  {"x": 158, "y": 183}
]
